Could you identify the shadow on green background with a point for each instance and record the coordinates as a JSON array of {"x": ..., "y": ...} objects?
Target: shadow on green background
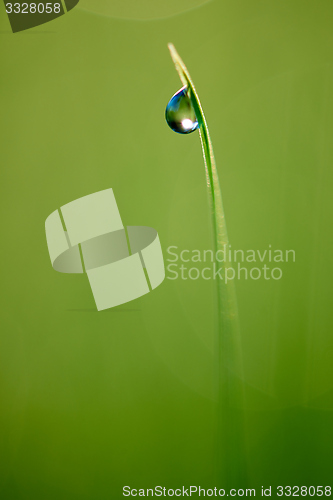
[{"x": 91, "y": 402}]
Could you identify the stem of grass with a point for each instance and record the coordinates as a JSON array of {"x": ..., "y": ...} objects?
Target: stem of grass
[{"x": 230, "y": 449}]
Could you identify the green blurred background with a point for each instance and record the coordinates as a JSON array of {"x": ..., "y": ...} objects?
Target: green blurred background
[{"x": 91, "y": 401}]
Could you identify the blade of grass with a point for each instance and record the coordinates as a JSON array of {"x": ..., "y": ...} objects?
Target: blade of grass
[{"x": 230, "y": 468}]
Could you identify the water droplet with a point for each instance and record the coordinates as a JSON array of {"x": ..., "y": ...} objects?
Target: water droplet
[{"x": 180, "y": 114}]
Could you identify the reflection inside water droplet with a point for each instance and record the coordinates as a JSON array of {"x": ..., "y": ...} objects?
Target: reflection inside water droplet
[{"x": 180, "y": 114}]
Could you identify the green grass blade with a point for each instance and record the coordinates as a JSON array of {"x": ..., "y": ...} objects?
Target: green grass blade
[{"x": 228, "y": 365}]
